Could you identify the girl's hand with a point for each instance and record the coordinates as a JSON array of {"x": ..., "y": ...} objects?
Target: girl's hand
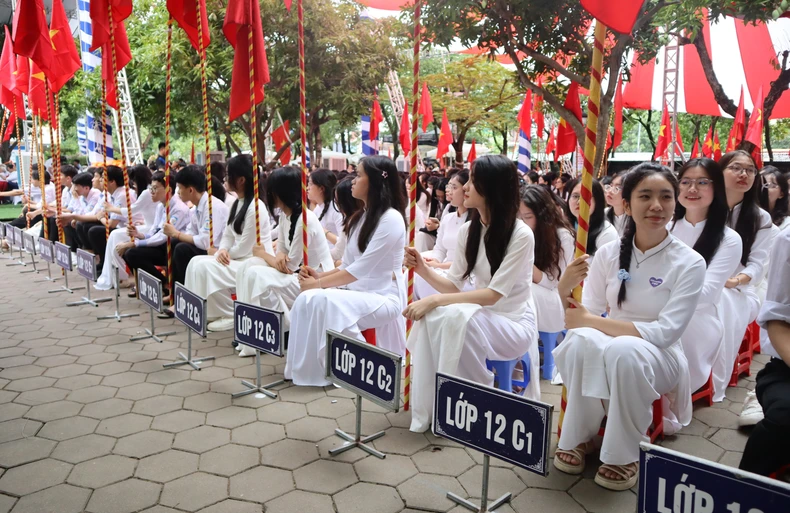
[
  {"x": 412, "y": 259},
  {"x": 307, "y": 272},
  {"x": 731, "y": 283},
  {"x": 574, "y": 274},
  {"x": 431, "y": 224},
  {"x": 307, "y": 283},
  {"x": 576, "y": 316},
  {"x": 281, "y": 263},
  {"x": 223, "y": 257},
  {"x": 419, "y": 309}
]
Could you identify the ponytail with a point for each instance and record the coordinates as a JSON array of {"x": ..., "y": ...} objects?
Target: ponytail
[
  {"x": 295, "y": 214},
  {"x": 626, "y": 250}
]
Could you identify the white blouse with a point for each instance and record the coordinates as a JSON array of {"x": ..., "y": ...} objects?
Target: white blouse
[
  {"x": 333, "y": 220},
  {"x": 513, "y": 279},
  {"x": 619, "y": 222},
  {"x": 661, "y": 296},
  {"x": 567, "y": 245},
  {"x": 199, "y": 221},
  {"x": 375, "y": 269},
  {"x": 777, "y": 301},
  {"x": 118, "y": 199},
  {"x": 606, "y": 235},
  {"x": 318, "y": 255},
  {"x": 338, "y": 249},
  {"x": 447, "y": 235},
  {"x": 756, "y": 265},
  {"x": 143, "y": 210},
  {"x": 240, "y": 246},
  {"x": 724, "y": 262}
]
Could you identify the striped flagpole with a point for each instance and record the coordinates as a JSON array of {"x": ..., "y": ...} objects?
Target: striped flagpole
[
  {"x": 168, "y": 91},
  {"x": 55, "y": 164},
  {"x": 253, "y": 138},
  {"x": 42, "y": 173},
  {"x": 302, "y": 126},
  {"x": 61, "y": 234},
  {"x": 104, "y": 154},
  {"x": 593, "y": 109},
  {"x": 204, "y": 94}
]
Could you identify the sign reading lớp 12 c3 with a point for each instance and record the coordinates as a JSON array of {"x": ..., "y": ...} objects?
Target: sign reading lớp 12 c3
[
  {"x": 149, "y": 290},
  {"x": 258, "y": 327},
  {"x": 190, "y": 309}
]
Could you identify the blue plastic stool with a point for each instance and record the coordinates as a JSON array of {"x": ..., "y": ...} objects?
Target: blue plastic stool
[
  {"x": 504, "y": 373},
  {"x": 549, "y": 342}
]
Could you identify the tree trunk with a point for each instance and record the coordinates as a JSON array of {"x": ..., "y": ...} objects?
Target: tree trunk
[
  {"x": 343, "y": 140},
  {"x": 504, "y": 141},
  {"x": 318, "y": 147},
  {"x": 768, "y": 142},
  {"x": 217, "y": 139}
]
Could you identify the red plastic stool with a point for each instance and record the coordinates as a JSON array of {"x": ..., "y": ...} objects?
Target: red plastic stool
[
  {"x": 705, "y": 392},
  {"x": 754, "y": 334},
  {"x": 653, "y": 432},
  {"x": 743, "y": 362},
  {"x": 370, "y": 336}
]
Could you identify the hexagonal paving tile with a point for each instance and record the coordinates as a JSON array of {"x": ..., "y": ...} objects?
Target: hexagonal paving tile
[
  {"x": 124, "y": 497},
  {"x": 102, "y": 471},
  {"x": 178, "y": 421},
  {"x": 201, "y": 439},
  {"x": 168, "y": 376},
  {"x": 33, "y": 477},
  {"x": 549, "y": 501},
  {"x": 10, "y": 411},
  {"x": 303, "y": 395},
  {"x": 289, "y": 454},
  {"x": 140, "y": 391},
  {"x": 54, "y": 411},
  {"x": 207, "y": 402},
  {"x": 299, "y": 500},
  {"x": 445, "y": 460},
  {"x": 24, "y": 450},
  {"x": 325, "y": 476},
  {"x": 83, "y": 448},
  {"x": 368, "y": 498},
  {"x": 194, "y": 491},
  {"x": 694, "y": 445},
  {"x": 247, "y": 485},
  {"x": 391, "y": 471},
  {"x": 330, "y": 407},
  {"x": 231, "y": 417},
  {"x": 166, "y": 466},
  {"x": 401, "y": 441},
  {"x": 62, "y": 498},
  {"x": 77, "y": 382},
  {"x": 501, "y": 481},
  {"x": 124, "y": 425},
  {"x": 26, "y": 384},
  {"x": 371, "y": 422},
  {"x": 41, "y": 396},
  {"x": 210, "y": 374},
  {"x": 429, "y": 492},
  {"x": 144, "y": 444},
  {"x": 258, "y": 434},
  {"x": 282, "y": 412},
  {"x": 311, "y": 429},
  {"x": 110, "y": 368},
  {"x": 107, "y": 408},
  {"x": 229, "y": 460},
  {"x": 234, "y": 506},
  {"x": 18, "y": 428},
  {"x": 92, "y": 394},
  {"x": 71, "y": 427},
  {"x": 124, "y": 379},
  {"x": 66, "y": 371},
  {"x": 186, "y": 388},
  {"x": 598, "y": 500},
  {"x": 158, "y": 405}
]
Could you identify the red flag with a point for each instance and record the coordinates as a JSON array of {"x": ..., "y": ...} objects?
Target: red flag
[
  {"x": 618, "y": 115},
  {"x": 100, "y": 19},
  {"x": 243, "y": 17},
  {"x": 280, "y": 139},
  {"x": 8, "y": 63},
  {"x": 537, "y": 109},
  {"x": 37, "y": 95},
  {"x": 445, "y": 137},
  {"x": 566, "y": 136},
  {"x": 551, "y": 145},
  {"x": 185, "y": 14},
  {"x": 525, "y": 115},
  {"x": 376, "y": 117},
  {"x": 66, "y": 60},
  {"x": 288, "y": 4},
  {"x": 707, "y": 146},
  {"x": 123, "y": 55},
  {"x": 472, "y": 153},
  {"x": 738, "y": 126},
  {"x": 695, "y": 149},
  {"x": 662, "y": 143},
  {"x": 192, "y": 156},
  {"x": 608, "y": 139},
  {"x": 678, "y": 139},
  {"x": 10, "y": 128},
  {"x": 426, "y": 108},
  {"x": 405, "y": 134},
  {"x": 620, "y": 16},
  {"x": 31, "y": 34},
  {"x": 22, "y": 79},
  {"x": 716, "y": 147},
  {"x": 755, "y": 132}
]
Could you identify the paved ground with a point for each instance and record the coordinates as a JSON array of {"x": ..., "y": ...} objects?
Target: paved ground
[{"x": 91, "y": 422}]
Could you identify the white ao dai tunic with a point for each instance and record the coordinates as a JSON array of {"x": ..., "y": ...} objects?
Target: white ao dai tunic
[{"x": 548, "y": 304}]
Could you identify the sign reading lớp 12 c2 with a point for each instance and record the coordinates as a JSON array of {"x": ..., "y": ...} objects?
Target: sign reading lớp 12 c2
[
  {"x": 47, "y": 250},
  {"x": 149, "y": 290},
  {"x": 258, "y": 327},
  {"x": 190, "y": 309},
  {"x": 503, "y": 425},
  {"x": 63, "y": 256},
  {"x": 364, "y": 369},
  {"x": 672, "y": 482},
  {"x": 86, "y": 265}
]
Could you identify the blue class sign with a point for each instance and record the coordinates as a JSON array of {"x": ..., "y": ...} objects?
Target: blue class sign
[
  {"x": 30, "y": 243},
  {"x": 63, "y": 256},
  {"x": 671, "y": 482},
  {"x": 500, "y": 424},
  {"x": 86, "y": 265},
  {"x": 47, "y": 250},
  {"x": 18, "y": 237},
  {"x": 190, "y": 309},
  {"x": 10, "y": 234},
  {"x": 149, "y": 290},
  {"x": 258, "y": 327},
  {"x": 364, "y": 369}
]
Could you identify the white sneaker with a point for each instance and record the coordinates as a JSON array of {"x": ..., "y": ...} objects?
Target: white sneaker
[
  {"x": 752, "y": 412},
  {"x": 223, "y": 324},
  {"x": 246, "y": 351}
]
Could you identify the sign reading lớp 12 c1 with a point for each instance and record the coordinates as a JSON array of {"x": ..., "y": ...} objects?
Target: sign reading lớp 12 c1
[
  {"x": 364, "y": 369},
  {"x": 149, "y": 290},
  {"x": 503, "y": 425},
  {"x": 258, "y": 327},
  {"x": 190, "y": 309},
  {"x": 672, "y": 482}
]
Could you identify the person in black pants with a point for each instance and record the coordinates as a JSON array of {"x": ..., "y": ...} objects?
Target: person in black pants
[
  {"x": 32, "y": 210},
  {"x": 768, "y": 448},
  {"x": 97, "y": 235}
]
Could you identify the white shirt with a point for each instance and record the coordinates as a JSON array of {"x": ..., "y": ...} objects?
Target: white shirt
[
  {"x": 756, "y": 265},
  {"x": 118, "y": 199},
  {"x": 179, "y": 218},
  {"x": 513, "y": 279},
  {"x": 239, "y": 246},
  {"x": 66, "y": 198},
  {"x": 339, "y": 249},
  {"x": 607, "y": 234},
  {"x": 619, "y": 221},
  {"x": 776, "y": 306},
  {"x": 87, "y": 204},
  {"x": 383, "y": 258},
  {"x": 332, "y": 220},
  {"x": 143, "y": 209},
  {"x": 568, "y": 246},
  {"x": 35, "y": 195},
  {"x": 662, "y": 295},
  {"x": 723, "y": 264},
  {"x": 199, "y": 222},
  {"x": 318, "y": 255},
  {"x": 447, "y": 235}
]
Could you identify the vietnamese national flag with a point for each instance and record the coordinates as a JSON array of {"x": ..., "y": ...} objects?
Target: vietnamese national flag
[
  {"x": 185, "y": 14},
  {"x": 426, "y": 108},
  {"x": 288, "y": 6},
  {"x": 618, "y": 15},
  {"x": 472, "y": 153},
  {"x": 100, "y": 20},
  {"x": 707, "y": 146},
  {"x": 31, "y": 34},
  {"x": 566, "y": 136},
  {"x": 618, "y": 115},
  {"x": 242, "y": 21},
  {"x": 738, "y": 126},
  {"x": 9, "y": 131},
  {"x": 537, "y": 109},
  {"x": 445, "y": 137},
  {"x": 10, "y": 96},
  {"x": 192, "y": 156},
  {"x": 716, "y": 147},
  {"x": 678, "y": 139},
  {"x": 755, "y": 132},
  {"x": 695, "y": 149},
  {"x": 66, "y": 60},
  {"x": 525, "y": 115},
  {"x": 551, "y": 145},
  {"x": 280, "y": 139},
  {"x": 405, "y": 134},
  {"x": 22, "y": 75},
  {"x": 37, "y": 95},
  {"x": 664, "y": 131},
  {"x": 123, "y": 56},
  {"x": 376, "y": 117}
]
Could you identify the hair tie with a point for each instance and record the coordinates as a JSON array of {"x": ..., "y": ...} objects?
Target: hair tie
[
  {"x": 384, "y": 174},
  {"x": 623, "y": 275}
]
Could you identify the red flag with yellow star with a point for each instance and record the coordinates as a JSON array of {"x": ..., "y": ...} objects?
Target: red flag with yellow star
[
  {"x": 445, "y": 137},
  {"x": 716, "y": 147},
  {"x": 566, "y": 135},
  {"x": 755, "y": 132},
  {"x": 31, "y": 34},
  {"x": 551, "y": 145},
  {"x": 738, "y": 126},
  {"x": 67, "y": 60},
  {"x": 185, "y": 14},
  {"x": 707, "y": 146},
  {"x": 37, "y": 95},
  {"x": 123, "y": 56},
  {"x": 243, "y": 17},
  {"x": 426, "y": 107},
  {"x": 695, "y": 149},
  {"x": 22, "y": 74},
  {"x": 8, "y": 90},
  {"x": 663, "y": 134},
  {"x": 472, "y": 153}
]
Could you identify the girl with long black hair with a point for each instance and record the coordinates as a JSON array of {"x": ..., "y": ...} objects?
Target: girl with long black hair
[
  {"x": 321, "y": 192},
  {"x": 739, "y": 300},
  {"x": 615, "y": 213},
  {"x": 348, "y": 205},
  {"x": 618, "y": 365},
  {"x": 700, "y": 221},
  {"x": 601, "y": 231},
  {"x": 426, "y": 236},
  {"x": 374, "y": 290},
  {"x": 271, "y": 280},
  {"x": 213, "y": 276},
  {"x": 457, "y": 330},
  {"x": 775, "y": 196}
]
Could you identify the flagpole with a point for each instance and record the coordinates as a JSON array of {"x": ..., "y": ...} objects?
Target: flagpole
[
  {"x": 42, "y": 173},
  {"x": 61, "y": 234},
  {"x": 204, "y": 93},
  {"x": 104, "y": 155},
  {"x": 55, "y": 166},
  {"x": 19, "y": 151},
  {"x": 168, "y": 91},
  {"x": 5, "y": 120},
  {"x": 302, "y": 125},
  {"x": 253, "y": 138}
]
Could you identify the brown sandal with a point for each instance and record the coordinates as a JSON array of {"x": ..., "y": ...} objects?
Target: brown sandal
[
  {"x": 580, "y": 452},
  {"x": 628, "y": 474}
]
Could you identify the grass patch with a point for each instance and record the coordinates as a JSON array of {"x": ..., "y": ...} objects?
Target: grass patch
[{"x": 10, "y": 212}]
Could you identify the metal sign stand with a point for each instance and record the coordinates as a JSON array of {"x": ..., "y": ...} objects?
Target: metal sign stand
[
  {"x": 87, "y": 299},
  {"x": 485, "y": 507},
  {"x": 152, "y": 332},
  {"x": 257, "y": 387},
  {"x": 48, "y": 277},
  {"x": 32, "y": 261},
  {"x": 18, "y": 260},
  {"x": 118, "y": 315},
  {"x": 187, "y": 359},
  {"x": 357, "y": 440},
  {"x": 65, "y": 286}
]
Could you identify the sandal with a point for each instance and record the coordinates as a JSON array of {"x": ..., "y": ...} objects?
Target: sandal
[
  {"x": 132, "y": 292},
  {"x": 580, "y": 452},
  {"x": 628, "y": 475}
]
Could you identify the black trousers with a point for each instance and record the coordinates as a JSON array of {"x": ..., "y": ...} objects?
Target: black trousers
[
  {"x": 97, "y": 235},
  {"x": 52, "y": 226},
  {"x": 71, "y": 236},
  {"x": 768, "y": 447},
  {"x": 82, "y": 233},
  {"x": 21, "y": 221},
  {"x": 147, "y": 258},
  {"x": 182, "y": 253}
]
